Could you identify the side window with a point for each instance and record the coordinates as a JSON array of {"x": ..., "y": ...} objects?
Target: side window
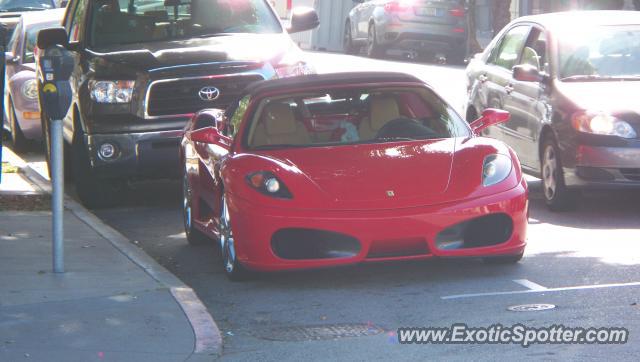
[
  {"x": 77, "y": 22},
  {"x": 13, "y": 44},
  {"x": 535, "y": 51},
  {"x": 510, "y": 47},
  {"x": 237, "y": 116}
]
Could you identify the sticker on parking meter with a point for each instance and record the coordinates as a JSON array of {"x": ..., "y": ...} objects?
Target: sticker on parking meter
[
  {"x": 49, "y": 77},
  {"x": 49, "y": 88}
]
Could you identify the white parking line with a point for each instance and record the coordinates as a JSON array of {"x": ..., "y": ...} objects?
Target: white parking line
[
  {"x": 529, "y": 284},
  {"x": 549, "y": 290}
]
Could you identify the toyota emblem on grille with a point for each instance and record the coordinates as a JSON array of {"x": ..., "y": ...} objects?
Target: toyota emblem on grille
[{"x": 209, "y": 93}]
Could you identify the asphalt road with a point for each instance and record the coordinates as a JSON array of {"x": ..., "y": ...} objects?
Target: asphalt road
[{"x": 585, "y": 262}]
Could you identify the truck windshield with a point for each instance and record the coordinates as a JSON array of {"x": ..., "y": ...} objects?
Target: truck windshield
[
  {"x": 139, "y": 21},
  {"x": 24, "y": 5}
]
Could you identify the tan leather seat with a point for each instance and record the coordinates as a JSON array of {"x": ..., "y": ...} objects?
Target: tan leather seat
[
  {"x": 382, "y": 109},
  {"x": 278, "y": 125}
]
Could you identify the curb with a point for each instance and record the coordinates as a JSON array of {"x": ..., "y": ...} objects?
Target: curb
[{"x": 208, "y": 339}]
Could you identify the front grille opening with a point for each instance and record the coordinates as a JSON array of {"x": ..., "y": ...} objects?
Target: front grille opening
[
  {"x": 484, "y": 231},
  {"x": 306, "y": 244},
  {"x": 182, "y": 96},
  {"x": 398, "y": 248}
]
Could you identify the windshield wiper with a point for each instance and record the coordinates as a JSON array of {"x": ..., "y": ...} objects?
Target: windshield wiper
[
  {"x": 277, "y": 146},
  {"x": 590, "y": 77},
  {"x": 21, "y": 8},
  {"x": 391, "y": 139},
  {"x": 211, "y": 35}
]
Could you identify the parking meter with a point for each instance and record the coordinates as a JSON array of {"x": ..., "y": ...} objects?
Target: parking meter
[{"x": 55, "y": 65}]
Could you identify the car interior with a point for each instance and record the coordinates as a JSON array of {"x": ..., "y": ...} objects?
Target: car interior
[
  {"x": 335, "y": 119},
  {"x": 133, "y": 21}
]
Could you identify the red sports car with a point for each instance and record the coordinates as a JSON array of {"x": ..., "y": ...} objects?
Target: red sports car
[{"x": 336, "y": 169}]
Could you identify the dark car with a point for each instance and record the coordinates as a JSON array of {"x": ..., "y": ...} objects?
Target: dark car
[
  {"x": 570, "y": 82},
  {"x": 144, "y": 67},
  {"x": 21, "y": 109},
  {"x": 416, "y": 26}
]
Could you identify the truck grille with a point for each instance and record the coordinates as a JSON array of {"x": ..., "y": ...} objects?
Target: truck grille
[{"x": 182, "y": 96}]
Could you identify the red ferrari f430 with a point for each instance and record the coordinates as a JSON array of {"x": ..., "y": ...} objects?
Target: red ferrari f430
[{"x": 335, "y": 169}]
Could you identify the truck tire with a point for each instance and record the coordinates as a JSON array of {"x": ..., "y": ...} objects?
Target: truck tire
[{"x": 94, "y": 192}]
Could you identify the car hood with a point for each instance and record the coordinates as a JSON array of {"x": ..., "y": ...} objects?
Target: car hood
[
  {"x": 410, "y": 173},
  {"x": 602, "y": 96},
  {"x": 158, "y": 56}
]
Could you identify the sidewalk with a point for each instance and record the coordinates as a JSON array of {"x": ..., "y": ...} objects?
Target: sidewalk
[{"x": 114, "y": 303}]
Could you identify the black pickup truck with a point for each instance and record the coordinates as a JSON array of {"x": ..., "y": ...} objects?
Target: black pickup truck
[{"x": 144, "y": 67}]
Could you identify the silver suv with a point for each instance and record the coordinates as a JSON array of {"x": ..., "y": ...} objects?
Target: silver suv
[{"x": 414, "y": 26}]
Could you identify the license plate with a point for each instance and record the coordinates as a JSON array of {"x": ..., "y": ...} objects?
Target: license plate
[{"x": 429, "y": 12}]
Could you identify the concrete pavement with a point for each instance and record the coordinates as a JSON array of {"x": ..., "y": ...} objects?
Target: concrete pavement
[{"x": 114, "y": 303}]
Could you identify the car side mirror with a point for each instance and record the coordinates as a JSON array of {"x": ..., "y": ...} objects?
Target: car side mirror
[
  {"x": 490, "y": 117},
  {"x": 9, "y": 58},
  {"x": 52, "y": 36},
  {"x": 212, "y": 117},
  {"x": 527, "y": 73},
  {"x": 212, "y": 136},
  {"x": 303, "y": 19}
]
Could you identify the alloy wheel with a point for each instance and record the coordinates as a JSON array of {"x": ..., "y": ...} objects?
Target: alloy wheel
[
  {"x": 186, "y": 203},
  {"x": 226, "y": 240},
  {"x": 550, "y": 173}
]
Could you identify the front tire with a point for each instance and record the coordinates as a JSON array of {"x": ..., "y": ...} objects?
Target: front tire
[
  {"x": 374, "y": 50},
  {"x": 194, "y": 236},
  {"x": 232, "y": 267},
  {"x": 347, "y": 41},
  {"x": 20, "y": 142},
  {"x": 93, "y": 191},
  {"x": 556, "y": 194}
]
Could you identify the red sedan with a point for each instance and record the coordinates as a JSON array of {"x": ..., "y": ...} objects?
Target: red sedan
[{"x": 335, "y": 169}]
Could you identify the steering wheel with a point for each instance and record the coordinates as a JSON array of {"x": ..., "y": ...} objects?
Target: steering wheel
[{"x": 404, "y": 128}]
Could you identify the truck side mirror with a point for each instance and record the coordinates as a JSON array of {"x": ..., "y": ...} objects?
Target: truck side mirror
[
  {"x": 52, "y": 36},
  {"x": 303, "y": 19}
]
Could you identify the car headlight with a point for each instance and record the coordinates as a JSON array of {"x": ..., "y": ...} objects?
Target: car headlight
[
  {"x": 30, "y": 89},
  {"x": 602, "y": 124},
  {"x": 496, "y": 168},
  {"x": 108, "y": 91},
  {"x": 268, "y": 184}
]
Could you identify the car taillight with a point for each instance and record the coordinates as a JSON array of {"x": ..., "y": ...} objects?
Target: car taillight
[
  {"x": 398, "y": 6},
  {"x": 457, "y": 12}
]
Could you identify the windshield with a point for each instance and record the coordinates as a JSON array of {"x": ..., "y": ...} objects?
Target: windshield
[
  {"x": 137, "y": 21},
  {"x": 32, "y": 38},
  {"x": 603, "y": 52},
  {"x": 25, "y": 5},
  {"x": 351, "y": 117}
]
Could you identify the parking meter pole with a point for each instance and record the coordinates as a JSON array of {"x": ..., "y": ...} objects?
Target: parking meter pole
[
  {"x": 54, "y": 69},
  {"x": 57, "y": 195}
]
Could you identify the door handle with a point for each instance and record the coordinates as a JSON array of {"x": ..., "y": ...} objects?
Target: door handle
[
  {"x": 508, "y": 88},
  {"x": 482, "y": 78}
]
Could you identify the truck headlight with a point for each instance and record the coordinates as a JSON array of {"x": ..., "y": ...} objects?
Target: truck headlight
[
  {"x": 603, "y": 124},
  {"x": 111, "y": 91},
  {"x": 496, "y": 168},
  {"x": 30, "y": 89}
]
